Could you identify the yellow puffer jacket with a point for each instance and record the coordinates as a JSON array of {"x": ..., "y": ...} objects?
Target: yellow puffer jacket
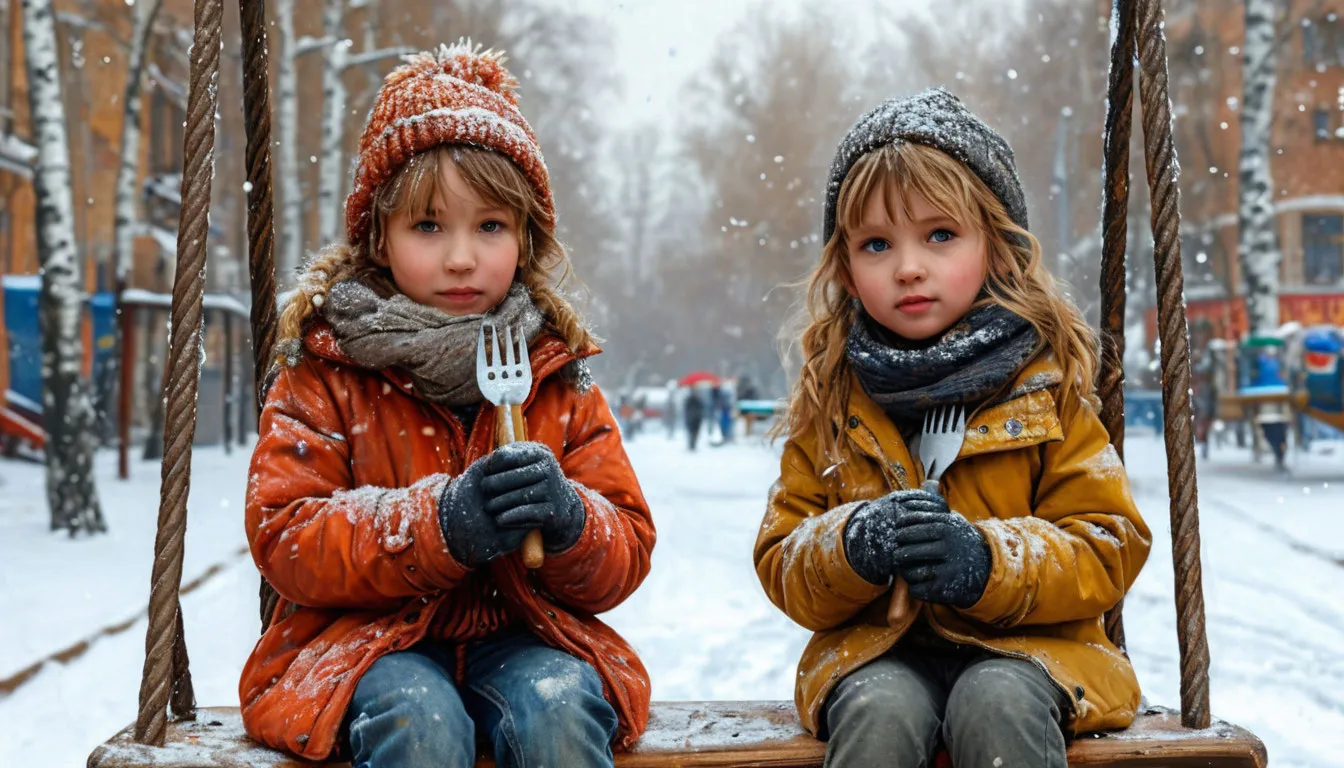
[{"x": 1041, "y": 481}]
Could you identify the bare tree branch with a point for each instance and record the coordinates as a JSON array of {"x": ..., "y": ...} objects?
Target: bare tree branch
[
  {"x": 372, "y": 57},
  {"x": 17, "y": 156},
  {"x": 306, "y": 44},
  {"x": 78, "y": 21},
  {"x": 175, "y": 90}
]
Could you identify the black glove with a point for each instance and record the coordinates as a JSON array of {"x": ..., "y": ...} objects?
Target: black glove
[
  {"x": 870, "y": 537},
  {"x": 942, "y": 556},
  {"x": 525, "y": 488},
  {"x": 474, "y": 537}
]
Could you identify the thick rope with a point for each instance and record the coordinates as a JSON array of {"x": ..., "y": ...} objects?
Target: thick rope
[
  {"x": 1114, "y": 214},
  {"x": 183, "y": 700},
  {"x": 260, "y": 212},
  {"x": 1160, "y": 153},
  {"x": 179, "y": 425}
]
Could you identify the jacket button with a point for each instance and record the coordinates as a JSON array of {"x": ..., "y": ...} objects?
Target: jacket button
[
  {"x": 302, "y": 739},
  {"x": 853, "y": 422},
  {"x": 1014, "y": 427},
  {"x": 1078, "y": 691},
  {"x": 983, "y": 429},
  {"x": 412, "y": 617}
]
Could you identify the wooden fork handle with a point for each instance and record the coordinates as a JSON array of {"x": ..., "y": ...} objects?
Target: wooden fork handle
[
  {"x": 533, "y": 554},
  {"x": 902, "y": 605}
]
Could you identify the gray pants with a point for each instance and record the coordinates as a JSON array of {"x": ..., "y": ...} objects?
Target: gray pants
[{"x": 990, "y": 711}]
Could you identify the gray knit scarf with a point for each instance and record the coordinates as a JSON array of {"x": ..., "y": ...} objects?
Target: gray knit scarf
[
  {"x": 437, "y": 349},
  {"x": 967, "y": 364}
]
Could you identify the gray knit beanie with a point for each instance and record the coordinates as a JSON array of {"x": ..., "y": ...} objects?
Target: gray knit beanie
[{"x": 934, "y": 118}]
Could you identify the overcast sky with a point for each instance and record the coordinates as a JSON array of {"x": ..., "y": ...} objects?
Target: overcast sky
[{"x": 660, "y": 43}]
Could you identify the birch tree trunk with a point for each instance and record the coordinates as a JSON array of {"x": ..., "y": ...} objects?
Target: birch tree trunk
[
  {"x": 1258, "y": 242},
  {"x": 287, "y": 144},
  {"x": 67, "y": 412},
  {"x": 333, "y": 173},
  {"x": 332, "y": 168},
  {"x": 129, "y": 170}
]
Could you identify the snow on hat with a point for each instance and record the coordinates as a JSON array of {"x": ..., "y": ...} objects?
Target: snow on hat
[
  {"x": 453, "y": 95},
  {"x": 937, "y": 119}
]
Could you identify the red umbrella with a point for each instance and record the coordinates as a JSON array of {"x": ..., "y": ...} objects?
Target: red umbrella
[{"x": 695, "y": 377}]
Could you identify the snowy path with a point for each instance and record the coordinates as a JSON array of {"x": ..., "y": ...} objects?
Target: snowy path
[
  {"x": 1273, "y": 553},
  {"x": 1274, "y": 611}
]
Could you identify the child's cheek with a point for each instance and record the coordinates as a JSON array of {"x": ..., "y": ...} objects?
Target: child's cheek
[{"x": 969, "y": 276}]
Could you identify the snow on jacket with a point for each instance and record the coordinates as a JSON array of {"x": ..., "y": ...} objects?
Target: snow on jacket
[
  {"x": 342, "y": 518},
  {"x": 1038, "y": 478}
]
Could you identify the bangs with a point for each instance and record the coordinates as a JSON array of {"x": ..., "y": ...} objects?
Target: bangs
[
  {"x": 902, "y": 170},
  {"x": 493, "y": 177}
]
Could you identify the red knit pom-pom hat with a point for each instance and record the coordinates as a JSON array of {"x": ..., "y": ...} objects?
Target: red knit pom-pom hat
[{"x": 456, "y": 94}]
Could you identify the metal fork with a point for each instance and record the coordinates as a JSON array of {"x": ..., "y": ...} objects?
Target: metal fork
[
  {"x": 504, "y": 376},
  {"x": 939, "y": 444}
]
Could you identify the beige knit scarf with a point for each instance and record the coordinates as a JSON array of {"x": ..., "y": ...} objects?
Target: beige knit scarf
[{"x": 437, "y": 349}]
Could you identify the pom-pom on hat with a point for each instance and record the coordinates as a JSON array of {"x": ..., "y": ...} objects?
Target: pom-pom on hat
[{"x": 456, "y": 94}]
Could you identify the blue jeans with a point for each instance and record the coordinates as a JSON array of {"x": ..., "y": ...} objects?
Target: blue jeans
[{"x": 538, "y": 706}]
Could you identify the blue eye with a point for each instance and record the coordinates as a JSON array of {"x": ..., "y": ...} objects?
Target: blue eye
[
  {"x": 876, "y": 245},
  {"x": 492, "y": 226},
  {"x": 941, "y": 236},
  {"x": 427, "y": 227}
]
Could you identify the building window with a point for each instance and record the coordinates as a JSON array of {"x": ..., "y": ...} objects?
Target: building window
[
  {"x": 1323, "y": 42},
  {"x": 165, "y": 131},
  {"x": 1320, "y": 120},
  {"x": 6, "y": 87},
  {"x": 1322, "y": 248}
]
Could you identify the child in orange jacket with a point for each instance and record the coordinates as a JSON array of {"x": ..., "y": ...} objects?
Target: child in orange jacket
[{"x": 376, "y": 506}]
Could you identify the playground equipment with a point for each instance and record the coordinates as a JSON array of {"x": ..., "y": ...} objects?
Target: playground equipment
[
  {"x": 686, "y": 734},
  {"x": 1275, "y": 382}
]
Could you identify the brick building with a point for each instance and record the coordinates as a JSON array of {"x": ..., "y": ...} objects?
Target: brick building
[
  {"x": 93, "y": 34},
  {"x": 93, "y": 41},
  {"x": 1307, "y": 164}
]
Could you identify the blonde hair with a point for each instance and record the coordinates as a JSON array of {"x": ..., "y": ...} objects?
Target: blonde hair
[
  {"x": 1016, "y": 279},
  {"x": 543, "y": 264}
]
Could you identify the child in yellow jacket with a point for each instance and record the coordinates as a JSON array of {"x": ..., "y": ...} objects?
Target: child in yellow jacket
[{"x": 971, "y": 617}]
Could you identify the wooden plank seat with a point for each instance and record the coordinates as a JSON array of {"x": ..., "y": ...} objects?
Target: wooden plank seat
[{"x": 716, "y": 733}]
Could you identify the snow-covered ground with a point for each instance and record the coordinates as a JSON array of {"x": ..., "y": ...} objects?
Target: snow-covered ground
[{"x": 1273, "y": 562}]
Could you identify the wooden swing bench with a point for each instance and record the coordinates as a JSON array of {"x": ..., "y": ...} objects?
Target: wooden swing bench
[
  {"x": 712, "y": 734},
  {"x": 701, "y": 734}
]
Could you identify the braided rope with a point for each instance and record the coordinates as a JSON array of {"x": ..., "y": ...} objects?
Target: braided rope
[
  {"x": 1114, "y": 214},
  {"x": 1160, "y": 154},
  {"x": 260, "y": 212},
  {"x": 182, "y": 702},
  {"x": 162, "y": 660}
]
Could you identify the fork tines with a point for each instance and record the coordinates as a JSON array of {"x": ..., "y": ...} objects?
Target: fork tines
[{"x": 944, "y": 419}]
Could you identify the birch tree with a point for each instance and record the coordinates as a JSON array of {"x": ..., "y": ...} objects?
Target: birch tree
[
  {"x": 1257, "y": 238},
  {"x": 335, "y": 98},
  {"x": 128, "y": 171},
  {"x": 287, "y": 145},
  {"x": 67, "y": 412}
]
